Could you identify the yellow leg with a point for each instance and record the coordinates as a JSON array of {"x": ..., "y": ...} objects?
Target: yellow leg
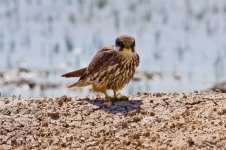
[
  {"x": 121, "y": 97},
  {"x": 105, "y": 93},
  {"x": 115, "y": 98},
  {"x": 115, "y": 95},
  {"x": 108, "y": 98}
]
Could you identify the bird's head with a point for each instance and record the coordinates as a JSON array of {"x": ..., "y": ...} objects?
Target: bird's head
[{"x": 125, "y": 43}]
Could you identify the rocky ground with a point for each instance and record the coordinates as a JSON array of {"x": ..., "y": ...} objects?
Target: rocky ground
[{"x": 195, "y": 120}]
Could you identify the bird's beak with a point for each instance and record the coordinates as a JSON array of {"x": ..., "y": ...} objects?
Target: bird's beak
[{"x": 127, "y": 46}]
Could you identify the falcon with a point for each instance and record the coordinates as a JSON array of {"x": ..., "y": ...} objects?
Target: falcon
[{"x": 110, "y": 69}]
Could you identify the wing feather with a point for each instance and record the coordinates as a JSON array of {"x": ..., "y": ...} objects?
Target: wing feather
[
  {"x": 76, "y": 73},
  {"x": 105, "y": 57},
  {"x": 137, "y": 60}
]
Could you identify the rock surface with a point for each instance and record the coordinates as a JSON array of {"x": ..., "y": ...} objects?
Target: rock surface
[{"x": 195, "y": 120}]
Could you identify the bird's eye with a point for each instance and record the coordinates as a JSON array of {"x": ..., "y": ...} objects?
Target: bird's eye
[
  {"x": 133, "y": 44},
  {"x": 119, "y": 43}
]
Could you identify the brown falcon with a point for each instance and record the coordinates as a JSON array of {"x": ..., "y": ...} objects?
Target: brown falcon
[{"x": 111, "y": 68}]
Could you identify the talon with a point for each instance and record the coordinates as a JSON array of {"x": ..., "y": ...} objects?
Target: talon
[
  {"x": 116, "y": 97},
  {"x": 123, "y": 97},
  {"x": 119, "y": 98},
  {"x": 109, "y": 98}
]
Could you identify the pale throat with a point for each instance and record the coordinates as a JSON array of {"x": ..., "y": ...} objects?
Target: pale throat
[{"x": 126, "y": 52}]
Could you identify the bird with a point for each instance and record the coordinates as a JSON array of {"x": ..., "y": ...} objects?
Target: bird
[{"x": 111, "y": 68}]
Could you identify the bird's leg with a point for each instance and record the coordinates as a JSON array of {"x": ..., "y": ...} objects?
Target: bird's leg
[
  {"x": 115, "y": 95},
  {"x": 108, "y": 98},
  {"x": 106, "y": 95},
  {"x": 121, "y": 97}
]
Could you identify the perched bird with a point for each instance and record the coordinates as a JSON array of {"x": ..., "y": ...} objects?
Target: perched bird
[{"x": 111, "y": 68}]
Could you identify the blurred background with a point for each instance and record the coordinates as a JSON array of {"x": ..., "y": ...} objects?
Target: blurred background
[{"x": 181, "y": 43}]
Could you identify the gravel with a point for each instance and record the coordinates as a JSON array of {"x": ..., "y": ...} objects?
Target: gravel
[{"x": 195, "y": 120}]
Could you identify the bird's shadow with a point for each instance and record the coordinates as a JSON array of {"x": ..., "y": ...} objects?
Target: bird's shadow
[{"x": 122, "y": 107}]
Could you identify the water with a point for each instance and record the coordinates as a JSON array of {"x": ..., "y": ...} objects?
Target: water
[{"x": 185, "y": 38}]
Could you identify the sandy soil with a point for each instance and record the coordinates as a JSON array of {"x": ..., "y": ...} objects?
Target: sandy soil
[{"x": 194, "y": 120}]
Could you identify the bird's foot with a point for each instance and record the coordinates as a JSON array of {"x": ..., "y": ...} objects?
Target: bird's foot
[
  {"x": 109, "y": 98},
  {"x": 122, "y": 98},
  {"x": 117, "y": 98}
]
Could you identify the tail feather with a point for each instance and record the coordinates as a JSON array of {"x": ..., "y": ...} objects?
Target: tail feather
[
  {"x": 79, "y": 84},
  {"x": 76, "y": 73}
]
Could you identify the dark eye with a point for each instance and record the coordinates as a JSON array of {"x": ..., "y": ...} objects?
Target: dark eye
[
  {"x": 119, "y": 43},
  {"x": 133, "y": 44}
]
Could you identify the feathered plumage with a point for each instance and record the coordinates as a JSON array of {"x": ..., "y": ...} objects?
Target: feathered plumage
[{"x": 111, "y": 68}]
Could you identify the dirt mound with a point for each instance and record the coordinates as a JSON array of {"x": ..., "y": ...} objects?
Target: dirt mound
[{"x": 148, "y": 121}]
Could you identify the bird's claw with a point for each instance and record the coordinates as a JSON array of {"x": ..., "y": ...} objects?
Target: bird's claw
[
  {"x": 117, "y": 98},
  {"x": 123, "y": 98}
]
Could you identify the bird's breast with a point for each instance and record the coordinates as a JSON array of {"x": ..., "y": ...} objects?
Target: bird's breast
[
  {"x": 116, "y": 74},
  {"x": 122, "y": 74}
]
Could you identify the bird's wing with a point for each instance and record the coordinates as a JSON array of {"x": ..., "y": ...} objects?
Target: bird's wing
[
  {"x": 104, "y": 57},
  {"x": 137, "y": 60}
]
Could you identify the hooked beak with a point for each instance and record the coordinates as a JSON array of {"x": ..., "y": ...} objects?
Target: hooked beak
[{"x": 127, "y": 46}]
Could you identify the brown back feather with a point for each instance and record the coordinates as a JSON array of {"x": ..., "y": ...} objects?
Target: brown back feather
[{"x": 103, "y": 58}]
